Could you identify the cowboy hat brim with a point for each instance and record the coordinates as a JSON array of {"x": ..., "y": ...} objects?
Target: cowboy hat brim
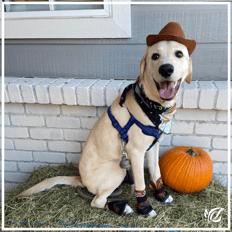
[{"x": 190, "y": 44}]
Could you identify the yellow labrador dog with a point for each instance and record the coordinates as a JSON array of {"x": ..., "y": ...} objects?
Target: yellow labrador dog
[{"x": 141, "y": 115}]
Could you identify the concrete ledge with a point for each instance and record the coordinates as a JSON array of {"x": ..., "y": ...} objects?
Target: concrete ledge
[{"x": 96, "y": 92}]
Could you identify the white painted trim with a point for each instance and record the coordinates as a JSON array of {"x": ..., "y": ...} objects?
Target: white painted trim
[
  {"x": 59, "y": 13},
  {"x": 205, "y": 95},
  {"x": 116, "y": 23}
]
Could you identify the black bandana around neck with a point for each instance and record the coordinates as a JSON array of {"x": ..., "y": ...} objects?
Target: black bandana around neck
[{"x": 160, "y": 116}]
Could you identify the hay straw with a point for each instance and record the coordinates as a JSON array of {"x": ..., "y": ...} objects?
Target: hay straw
[{"x": 62, "y": 205}]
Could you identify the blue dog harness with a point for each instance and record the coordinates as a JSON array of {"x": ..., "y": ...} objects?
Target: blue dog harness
[
  {"x": 147, "y": 130},
  {"x": 158, "y": 117}
]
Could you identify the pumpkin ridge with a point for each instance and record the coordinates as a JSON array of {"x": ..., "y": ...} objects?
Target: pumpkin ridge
[
  {"x": 187, "y": 179},
  {"x": 193, "y": 183},
  {"x": 184, "y": 160},
  {"x": 170, "y": 167},
  {"x": 209, "y": 173},
  {"x": 202, "y": 167},
  {"x": 168, "y": 158}
]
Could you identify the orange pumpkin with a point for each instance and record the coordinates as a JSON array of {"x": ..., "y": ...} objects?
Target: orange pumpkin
[{"x": 186, "y": 169}]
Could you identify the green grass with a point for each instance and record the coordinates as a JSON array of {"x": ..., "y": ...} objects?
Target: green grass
[{"x": 63, "y": 205}]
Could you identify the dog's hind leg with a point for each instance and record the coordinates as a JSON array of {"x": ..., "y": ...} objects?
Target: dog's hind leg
[
  {"x": 120, "y": 207},
  {"x": 108, "y": 183}
]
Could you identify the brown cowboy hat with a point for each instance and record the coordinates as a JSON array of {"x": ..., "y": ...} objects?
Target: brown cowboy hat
[{"x": 172, "y": 31}]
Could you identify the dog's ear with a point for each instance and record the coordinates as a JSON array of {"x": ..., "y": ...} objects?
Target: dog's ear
[
  {"x": 143, "y": 64},
  {"x": 189, "y": 77}
]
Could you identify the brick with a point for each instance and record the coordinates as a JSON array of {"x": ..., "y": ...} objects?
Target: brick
[
  {"x": 69, "y": 91},
  {"x": 191, "y": 141},
  {"x": 28, "y": 144},
  {"x": 88, "y": 123},
  {"x": 14, "y": 90},
  {"x": 55, "y": 91},
  {"x": 83, "y": 92},
  {"x": 73, "y": 158},
  {"x": 76, "y": 135},
  {"x": 182, "y": 128},
  {"x": 63, "y": 122},
  {"x": 166, "y": 141},
  {"x": 14, "y": 108},
  {"x": 8, "y": 144},
  {"x": 221, "y": 168},
  {"x": 28, "y": 166},
  {"x": 190, "y": 95},
  {"x": 18, "y": 155},
  {"x": 101, "y": 110},
  {"x": 27, "y": 120},
  {"x": 79, "y": 110},
  {"x": 112, "y": 91},
  {"x": 64, "y": 146},
  {"x": 222, "y": 98},
  {"x": 9, "y": 166},
  {"x": 6, "y": 120},
  {"x": 7, "y": 80},
  {"x": 222, "y": 115},
  {"x": 42, "y": 109},
  {"x": 45, "y": 133},
  {"x": 195, "y": 115},
  {"x": 218, "y": 155},
  {"x": 124, "y": 85},
  {"x": 98, "y": 92},
  {"x": 207, "y": 95},
  {"x": 82, "y": 146},
  {"x": 220, "y": 143},
  {"x": 28, "y": 90},
  {"x": 211, "y": 129},
  {"x": 16, "y": 177},
  {"x": 16, "y": 132},
  {"x": 41, "y": 90},
  {"x": 49, "y": 157}
]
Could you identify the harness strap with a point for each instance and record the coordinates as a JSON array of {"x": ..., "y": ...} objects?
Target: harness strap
[
  {"x": 147, "y": 130},
  {"x": 122, "y": 131}
]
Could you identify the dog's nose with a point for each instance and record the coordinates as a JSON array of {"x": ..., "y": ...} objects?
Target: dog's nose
[{"x": 166, "y": 70}]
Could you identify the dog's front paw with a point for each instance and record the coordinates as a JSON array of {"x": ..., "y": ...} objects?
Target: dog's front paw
[
  {"x": 164, "y": 198},
  {"x": 159, "y": 193},
  {"x": 145, "y": 209},
  {"x": 120, "y": 207},
  {"x": 128, "y": 210},
  {"x": 169, "y": 200},
  {"x": 143, "y": 206}
]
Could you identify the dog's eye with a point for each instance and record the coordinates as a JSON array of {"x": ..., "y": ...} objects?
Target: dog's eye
[
  {"x": 179, "y": 54},
  {"x": 155, "y": 56}
]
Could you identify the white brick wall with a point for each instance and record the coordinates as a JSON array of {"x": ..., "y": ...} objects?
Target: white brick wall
[{"x": 47, "y": 121}]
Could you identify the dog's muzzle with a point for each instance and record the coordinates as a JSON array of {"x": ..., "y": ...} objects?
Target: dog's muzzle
[
  {"x": 166, "y": 70},
  {"x": 168, "y": 89}
]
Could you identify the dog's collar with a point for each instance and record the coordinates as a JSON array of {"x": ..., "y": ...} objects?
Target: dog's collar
[
  {"x": 144, "y": 102},
  {"x": 152, "y": 109}
]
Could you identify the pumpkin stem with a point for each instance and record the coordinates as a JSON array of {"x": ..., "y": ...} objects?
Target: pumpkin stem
[{"x": 191, "y": 152}]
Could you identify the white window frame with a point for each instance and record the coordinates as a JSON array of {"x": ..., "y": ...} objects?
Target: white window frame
[{"x": 114, "y": 21}]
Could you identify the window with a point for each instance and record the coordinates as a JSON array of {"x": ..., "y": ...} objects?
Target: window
[
  {"x": 61, "y": 20},
  {"x": 54, "y": 10}
]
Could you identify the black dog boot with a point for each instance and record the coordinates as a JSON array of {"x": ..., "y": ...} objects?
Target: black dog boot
[
  {"x": 159, "y": 192},
  {"x": 143, "y": 206},
  {"x": 119, "y": 207}
]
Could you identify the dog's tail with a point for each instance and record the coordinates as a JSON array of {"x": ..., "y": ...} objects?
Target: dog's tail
[{"x": 51, "y": 182}]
